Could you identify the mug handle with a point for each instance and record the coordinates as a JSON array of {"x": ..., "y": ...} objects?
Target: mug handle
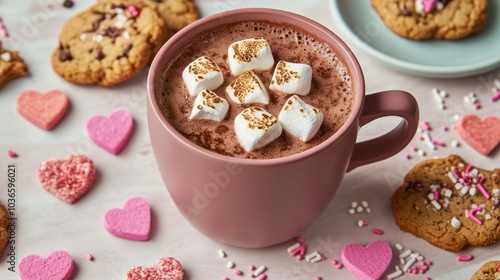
[{"x": 382, "y": 104}]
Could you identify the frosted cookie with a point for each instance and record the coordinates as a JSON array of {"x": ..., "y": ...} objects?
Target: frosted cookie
[
  {"x": 175, "y": 13},
  {"x": 449, "y": 203},
  {"x": 11, "y": 66},
  {"x": 164, "y": 268},
  {"x": 433, "y": 19},
  {"x": 108, "y": 43},
  {"x": 4, "y": 222},
  {"x": 489, "y": 271}
]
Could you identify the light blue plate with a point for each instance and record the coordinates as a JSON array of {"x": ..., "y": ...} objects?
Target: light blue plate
[{"x": 434, "y": 58}]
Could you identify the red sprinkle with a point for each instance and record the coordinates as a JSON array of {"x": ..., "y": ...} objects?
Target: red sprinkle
[
  {"x": 378, "y": 231},
  {"x": 11, "y": 154},
  {"x": 299, "y": 239}
]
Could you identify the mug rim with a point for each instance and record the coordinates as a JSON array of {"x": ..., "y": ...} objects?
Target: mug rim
[{"x": 343, "y": 52}]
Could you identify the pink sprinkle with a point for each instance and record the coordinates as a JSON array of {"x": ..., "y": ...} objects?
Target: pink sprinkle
[
  {"x": 421, "y": 138},
  {"x": 408, "y": 156},
  {"x": 415, "y": 149},
  {"x": 262, "y": 277},
  {"x": 299, "y": 257},
  {"x": 465, "y": 258},
  {"x": 483, "y": 190},
  {"x": 428, "y": 262},
  {"x": 378, "y": 231},
  {"x": 90, "y": 257},
  {"x": 11, "y": 154},
  {"x": 438, "y": 143},
  {"x": 299, "y": 239},
  {"x": 252, "y": 267},
  {"x": 252, "y": 275},
  {"x": 339, "y": 266},
  {"x": 425, "y": 125},
  {"x": 454, "y": 127},
  {"x": 468, "y": 169},
  {"x": 473, "y": 216},
  {"x": 335, "y": 262},
  {"x": 427, "y": 278},
  {"x": 318, "y": 278},
  {"x": 133, "y": 11},
  {"x": 3, "y": 30},
  {"x": 477, "y": 106},
  {"x": 365, "y": 223},
  {"x": 238, "y": 272},
  {"x": 480, "y": 179},
  {"x": 457, "y": 173},
  {"x": 436, "y": 195},
  {"x": 445, "y": 128},
  {"x": 225, "y": 278},
  {"x": 496, "y": 97},
  {"x": 300, "y": 251}
]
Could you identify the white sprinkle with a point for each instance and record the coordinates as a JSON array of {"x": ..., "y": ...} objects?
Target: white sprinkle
[
  {"x": 316, "y": 259},
  {"x": 436, "y": 205},
  {"x": 437, "y": 96},
  {"x": 461, "y": 164},
  {"x": 420, "y": 130},
  {"x": 420, "y": 258},
  {"x": 456, "y": 117},
  {"x": 474, "y": 172},
  {"x": 313, "y": 257},
  {"x": 448, "y": 193},
  {"x": 405, "y": 254},
  {"x": 399, "y": 246},
  {"x": 428, "y": 140},
  {"x": 487, "y": 217},
  {"x": 497, "y": 83},
  {"x": 410, "y": 262},
  {"x": 119, "y": 10},
  {"x": 452, "y": 177},
  {"x": 464, "y": 190},
  {"x": 360, "y": 223},
  {"x": 364, "y": 203},
  {"x": 259, "y": 270},
  {"x": 126, "y": 35},
  {"x": 421, "y": 152},
  {"x": 97, "y": 37},
  {"x": 352, "y": 211},
  {"x": 473, "y": 191},
  {"x": 466, "y": 213},
  {"x": 395, "y": 274},
  {"x": 368, "y": 210},
  {"x": 402, "y": 261},
  {"x": 6, "y": 56},
  {"x": 222, "y": 254},
  {"x": 293, "y": 247},
  {"x": 230, "y": 264},
  {"x": 435, "y": 91},
  {"x": 455, "y": 143},
  {"x": 83, "y": 36},
  {"x": 359, "y": 209},
  {"x": 458, "y": 186},
  {"x": 443, "y": 94},
  {"x": 461, "y": 180},
  {"x": 430, "y": 196},
  {"x": 354, "y": 204},
  {"x": 396, "y": 267},
  {"x": 455, "y": 222}
]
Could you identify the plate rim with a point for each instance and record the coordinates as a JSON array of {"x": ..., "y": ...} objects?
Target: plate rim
[{"x": 410, "y": 67}]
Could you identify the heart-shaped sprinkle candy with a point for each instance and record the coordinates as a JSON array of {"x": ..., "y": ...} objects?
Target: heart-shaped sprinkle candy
[
  {"x": 111, "y": 133},
  {"x": 68, "y": 179},
  {"x": 43, "y": 110},
  {"x": 133, "y": 222},
  {"x": 482, "y": 135},
  {"x": 56, "y": 266},
  {"x": 163, "y": 269},
  {"x": 367, "y": 263}
]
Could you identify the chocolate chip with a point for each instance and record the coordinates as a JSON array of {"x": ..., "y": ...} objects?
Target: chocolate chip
[
  {"x": 113, "y": 32},
  {"x": 404, "y": 11},
  {"x": 64, "y": 54},
  {"x": 119, "y": 6},
  {"x": 125, "y": 52},
  {"x": 100, "y": 54},
  {"x": 68, "y": 3}
]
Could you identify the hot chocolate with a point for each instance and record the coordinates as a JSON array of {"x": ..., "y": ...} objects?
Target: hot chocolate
[{"x": 330, "y": 91}]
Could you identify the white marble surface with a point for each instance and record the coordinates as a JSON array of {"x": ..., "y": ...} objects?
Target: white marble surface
[{"x": 45, "y": 224}]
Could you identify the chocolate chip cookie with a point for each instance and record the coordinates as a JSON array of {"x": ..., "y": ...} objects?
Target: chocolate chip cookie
[
  {"x": 175, "y": 13},
  {"x": 433, "y": 19},
  {"x": 11, "y": 66},
  {"x": 449, "y": 203},
  {"x": 108, "y": 43},
  {"x": 489, "y": 271},
  {"x": 3, "y": 228}
]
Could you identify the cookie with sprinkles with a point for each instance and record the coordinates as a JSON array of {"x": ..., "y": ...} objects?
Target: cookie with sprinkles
[
  {"x": 164, "y": 268},
  {"x": 489, "y": 271},
  {"x": 108, "y": 43},
  {"x": 449, "y": 203},
  {"x": 4, "y": 222},
  {"x": 433, "y": 19},
  {"x": 175, "y": 13},
  {"x": 11, "y": 66}
]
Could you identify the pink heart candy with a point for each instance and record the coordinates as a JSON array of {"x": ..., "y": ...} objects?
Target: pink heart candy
[
  {"x": 367, "y": 263},
  {"x": 133, "y": 222},
  {"x": 111, "y": 133},
  {"x": 429, "y": 5},
  {"x": 56, "y": 266},
  {"x": 482, "y": 135},
  {"x": 43, "y": 110}
]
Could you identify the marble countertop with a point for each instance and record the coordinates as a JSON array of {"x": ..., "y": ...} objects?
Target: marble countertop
[{"x": 45, "y": 224}]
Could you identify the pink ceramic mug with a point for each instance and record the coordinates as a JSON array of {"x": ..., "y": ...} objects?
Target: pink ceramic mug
[{"x": 256, "y": 203}]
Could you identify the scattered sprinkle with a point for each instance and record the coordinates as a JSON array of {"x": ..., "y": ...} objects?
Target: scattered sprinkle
[
  {"x": 408, "y": 156},
  {"x": 455, "y": 222},
  {"x": 222, "y": 254},
  {"x": 378, "y": 231},
  {"x": 68, "y": 4},
  {"x": 12, "y": 154},
  {"x": 399, "y": 246},
  {"x": 3, "y": 29},
  {"x": 133, "y": 11},
  {"x": 230, "y": 264},
  {"x": 455, "y": 143},
  {"x": 260, "y": 270},
  {"x": 472, "y": 215},
  {"x": 426, "y": 126},
  {"x": 238, "y": 272},
  {"x": 251, "y": 267},
  {"x": 90, "y": 257},
  {"x": 465, "y": 258}
]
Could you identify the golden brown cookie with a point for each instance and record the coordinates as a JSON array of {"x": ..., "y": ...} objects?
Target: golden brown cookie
[
  {"x": 489, "y": 271},
  {"x": 3, "y": 228},
  {"x": 175, "y": 13},
  {"x": 449, "y": 203},
  {"x": 107, "y": 44},
  {"x": 448, "y": 19},
  {"x": 11, "y": 66}
]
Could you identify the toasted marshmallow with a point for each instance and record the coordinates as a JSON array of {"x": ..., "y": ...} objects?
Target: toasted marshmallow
[
  {"x": 247, "y": 88},
  {"x": 255, "y": 128},
  {"x": 292, "y": 78},
  {"x": 202, "y": 73},
  {"x": 209, "y": 106},
  {"x": 300, "y": 119},
  {"x": 249, "y": 54}
]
